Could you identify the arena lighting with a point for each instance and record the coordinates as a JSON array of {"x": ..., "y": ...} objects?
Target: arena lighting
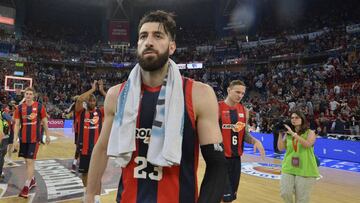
[
  {"x": 181, "y": 65},
  {"x": 19, "y": 64},
  {"x": 19, "y": 73},
  {"x": 6, "y": 20},
  {"x": 194, "y": 65}
]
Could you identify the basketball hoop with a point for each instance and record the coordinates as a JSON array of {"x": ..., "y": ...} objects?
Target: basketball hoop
[{"x": 12, "y": 83}]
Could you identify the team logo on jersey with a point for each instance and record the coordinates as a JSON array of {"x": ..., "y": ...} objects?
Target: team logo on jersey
[
  {"x": 143, "y": 134},
  {"x": 32, "y": 116},
  {"x": 92, "y": 121},
  {"x": 239, "y": 126},
  {"x": 262, "y": 170},
  {"x": 241, "y": 115}
]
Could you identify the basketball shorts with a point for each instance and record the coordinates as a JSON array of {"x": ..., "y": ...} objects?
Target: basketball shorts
[
  {"x": 28, "y": 150},
  {"x": 84, "y": 163},
  {"x": 233, "y": 165}
]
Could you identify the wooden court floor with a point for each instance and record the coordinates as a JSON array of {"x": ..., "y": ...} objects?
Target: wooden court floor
[{"x": 336, "y": 186}]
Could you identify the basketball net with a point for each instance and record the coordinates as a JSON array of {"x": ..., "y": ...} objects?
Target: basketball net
[{"x": 13, "y": 83}]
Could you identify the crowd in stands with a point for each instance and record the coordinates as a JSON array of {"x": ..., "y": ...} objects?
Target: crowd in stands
[
  {"x": 37, "y": 46},
  {"x": 329, "y": 93}
]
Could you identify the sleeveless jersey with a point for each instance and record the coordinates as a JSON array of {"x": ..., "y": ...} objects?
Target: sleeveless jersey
[
  {"x": 142, "y": 182},
  {"x": 232, "y": 124},
  {"x": 30, "y": 121},
  {"x": 90, "y": 125}
]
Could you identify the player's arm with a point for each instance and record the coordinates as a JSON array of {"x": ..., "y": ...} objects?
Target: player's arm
[
  {"x": 248, "y": 138},
  {"x": 17, "y": 124},
  {"x": 69, "y": 110},
  {"x": 99, "y": 157},
  {"x": 206, "y": 113},
  {"x": 16, "y": 129},
  {"x": 44, "y": 122},
  {"x": 68, "y": 115},
  {"x": 101, "y": 88},
  {"x": 84, "y": 97}
]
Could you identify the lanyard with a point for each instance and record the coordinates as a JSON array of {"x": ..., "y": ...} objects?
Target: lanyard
[{"x": 295, "y": 144}]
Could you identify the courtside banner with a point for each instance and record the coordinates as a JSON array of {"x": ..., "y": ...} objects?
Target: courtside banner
[
  {"x": 325, "y": 148},
  {"x": 56, "y": 123},
  {"x": 68, "y": 124}
]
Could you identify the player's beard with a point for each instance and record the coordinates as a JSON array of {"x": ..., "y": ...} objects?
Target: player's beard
[{"x": 153, "y": 63}]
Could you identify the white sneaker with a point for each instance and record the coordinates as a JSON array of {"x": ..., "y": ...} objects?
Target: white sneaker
[
  {"x": 83, "y": 198},
  {"x": 97, "y": 199},
  {"x": 10, "y": 162}
]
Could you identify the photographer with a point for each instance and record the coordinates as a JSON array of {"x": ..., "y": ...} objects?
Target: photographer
[
  {"x": 277, "y": 127},
  {"x": 354, "y": 122},
  {"x": 299, "y": 167}
]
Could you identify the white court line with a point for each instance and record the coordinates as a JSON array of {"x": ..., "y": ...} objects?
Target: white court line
[{"x": 3, "y": 187}]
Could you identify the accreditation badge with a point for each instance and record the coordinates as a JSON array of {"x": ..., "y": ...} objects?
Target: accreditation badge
[{"x": 295, "y": 161}]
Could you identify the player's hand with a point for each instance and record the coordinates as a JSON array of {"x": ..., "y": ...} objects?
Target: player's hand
[
  {"x": 101, "y": 85},
  {"x": 93, "y": 85},
  {"x": 47, "y": 139},
  {"x": 259, "y": 147}
]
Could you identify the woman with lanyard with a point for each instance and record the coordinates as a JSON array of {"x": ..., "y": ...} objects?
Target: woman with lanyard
[{"x": 299, "y": 168}]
